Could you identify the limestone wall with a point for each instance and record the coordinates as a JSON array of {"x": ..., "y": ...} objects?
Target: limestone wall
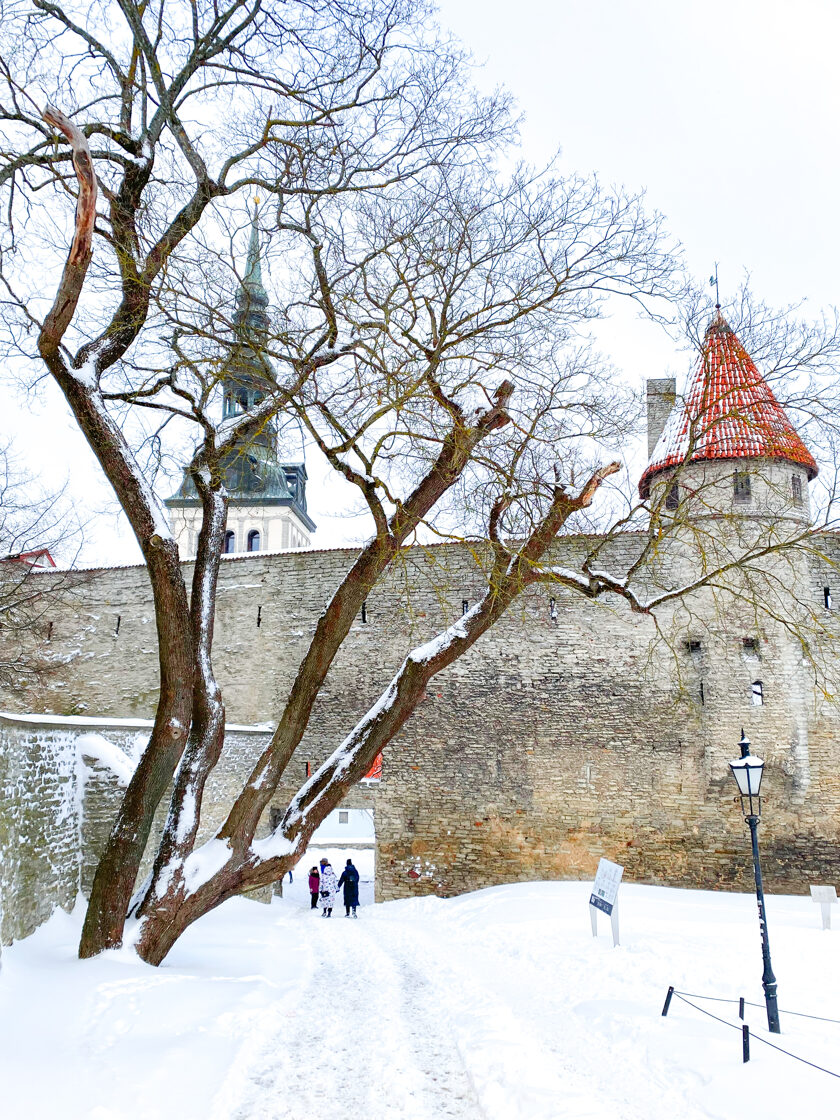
[
  {"x": 563, "y": 735},
  {"x": 61, "y": 781},
  {"x": 57, "y": 806}
]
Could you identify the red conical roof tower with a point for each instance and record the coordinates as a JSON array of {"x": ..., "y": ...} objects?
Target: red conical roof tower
[{"x": 729, "y": 412}]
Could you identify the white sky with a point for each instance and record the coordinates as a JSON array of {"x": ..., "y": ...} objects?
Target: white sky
[{"x": 725, "y": 112}]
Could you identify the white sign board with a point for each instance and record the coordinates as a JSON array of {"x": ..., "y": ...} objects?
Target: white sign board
[
  {"x": 605, "y": 888},
  {"x": 826, "y": 897},
  {"x": 604, "y": 896}
]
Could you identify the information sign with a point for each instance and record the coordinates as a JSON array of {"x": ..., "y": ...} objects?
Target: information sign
[
  {"x": 605, "y": 888},
  {"x": 826, "y": 897},
  {"x": 604, "y": 896}
]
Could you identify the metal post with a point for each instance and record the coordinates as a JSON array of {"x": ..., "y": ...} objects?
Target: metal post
[
  {"x": 768, "y": 980},
  {"x": 745, "y": 1042},
  {"x": 668, "y": 1000}
]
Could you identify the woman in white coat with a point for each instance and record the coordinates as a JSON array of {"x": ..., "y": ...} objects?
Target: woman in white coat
[{"x": 328, "y": 889}]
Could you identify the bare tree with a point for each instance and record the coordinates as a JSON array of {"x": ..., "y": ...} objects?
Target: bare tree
[
  {"x": 279, "y": 80},
  {"x": 431, "y": 338},
  {"x": 36, "y": 528}
]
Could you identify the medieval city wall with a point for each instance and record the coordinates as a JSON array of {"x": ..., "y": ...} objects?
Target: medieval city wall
[
  {"x": 565, "y": 734},
  {"x": 61, "y": 782},
  {"x": 57, "y": 806}
]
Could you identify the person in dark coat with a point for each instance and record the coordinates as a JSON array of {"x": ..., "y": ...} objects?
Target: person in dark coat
[
  {"x": 314, "y": 887},
  {"x": 350, "y": 881}
]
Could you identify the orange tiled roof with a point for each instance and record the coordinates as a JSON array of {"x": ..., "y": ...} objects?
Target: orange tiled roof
[
  {"x": 375, "y": 772},
  {"x": 729, "y": 412}
]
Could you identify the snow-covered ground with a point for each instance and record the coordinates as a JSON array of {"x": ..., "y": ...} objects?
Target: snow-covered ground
[{"x": 497, "y": 1005}]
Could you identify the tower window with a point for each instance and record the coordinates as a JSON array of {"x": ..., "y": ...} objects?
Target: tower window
[
  {"x": 343, "y": 816},
  {"x": 254, "y": 540},
  {"x": 672, "y": 498},
  {"x": 465, "y": 606},
  {"x": 757, "y": 694},
  {"x": 364, "y": 610},
  {"x": 702, "y": 693},
  {"x": 552, "y": 609},
  {"x": 796, "y": 489},
  {"x": 743, "y": 486},
  {"x": 694, "y": 647},
  {"x": 751, "y": 648},
  {"x": 230, "y": 541},
  {"x": 827, "y": 598}
]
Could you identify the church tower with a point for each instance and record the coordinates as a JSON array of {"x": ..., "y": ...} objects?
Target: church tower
[
  {"x": 727, "y": 448},
  {"x": 267, "y": 499}
]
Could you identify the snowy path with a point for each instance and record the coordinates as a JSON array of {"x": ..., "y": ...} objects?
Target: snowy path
[
  {"x": 493, "y": 1006},
  {"x": 389, "y": 1026},
  {"x": 365, "y": 1037},
  {"x": 428, "y": 1009}
]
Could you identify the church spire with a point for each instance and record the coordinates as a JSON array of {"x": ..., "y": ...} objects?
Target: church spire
[{"x": 252, "y": 298}]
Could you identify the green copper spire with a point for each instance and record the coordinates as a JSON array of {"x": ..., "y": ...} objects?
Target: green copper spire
[{"x": 252, "y": 298}]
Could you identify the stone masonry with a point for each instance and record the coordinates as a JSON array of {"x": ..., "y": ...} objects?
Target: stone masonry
[{"x": 564, "y": 735}]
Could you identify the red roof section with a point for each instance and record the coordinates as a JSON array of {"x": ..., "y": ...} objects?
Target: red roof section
[
  {"x": 375, "y": 772},
  {"x": 729, "y": 412},
  {"x": 37, "y": 558}
]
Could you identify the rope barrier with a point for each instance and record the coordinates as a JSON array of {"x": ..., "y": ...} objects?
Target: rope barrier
[
  {"x": 766, "y": 1041},
  {"x": 725, "y": 1022},
  {"x": 800, "y": 1014},
  {"x": 749, "y": 1003},
  {"x": 804, "y": 1061},
  {"x": 693, "y": 995}
]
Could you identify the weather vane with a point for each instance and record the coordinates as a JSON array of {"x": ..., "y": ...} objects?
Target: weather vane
[{"x": 713, "y": 281}]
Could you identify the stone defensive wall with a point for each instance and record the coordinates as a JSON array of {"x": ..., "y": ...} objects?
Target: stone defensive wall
[
  {"x": 61, "y": 782},
  {"x": 572, "y": 730}
]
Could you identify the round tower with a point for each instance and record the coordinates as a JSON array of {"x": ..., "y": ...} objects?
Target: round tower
[{"x": 727, "y": 449}]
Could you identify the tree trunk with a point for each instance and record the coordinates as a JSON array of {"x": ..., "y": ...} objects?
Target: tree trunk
[{"x": 116, "y": 873}]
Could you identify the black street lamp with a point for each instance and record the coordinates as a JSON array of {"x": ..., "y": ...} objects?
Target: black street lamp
[{"x": 747, "y": 771}]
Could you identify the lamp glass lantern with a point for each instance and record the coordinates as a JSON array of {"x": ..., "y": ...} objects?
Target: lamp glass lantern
[{"x": 748, "y": 772}]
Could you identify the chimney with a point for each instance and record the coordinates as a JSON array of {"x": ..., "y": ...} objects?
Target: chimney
[{"x": 661, "y": 394}]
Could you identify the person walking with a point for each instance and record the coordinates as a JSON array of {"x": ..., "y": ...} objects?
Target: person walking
[
  {"x": 350, "y": 881},
  {"x": 314, "y": 887},
  {"x": 328, "y": 889}
]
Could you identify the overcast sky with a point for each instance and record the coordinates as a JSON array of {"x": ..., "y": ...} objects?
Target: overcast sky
[{"x": 724, "y": 112}]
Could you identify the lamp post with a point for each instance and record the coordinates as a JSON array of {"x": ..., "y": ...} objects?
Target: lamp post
[{"x": 747, "y": 771}]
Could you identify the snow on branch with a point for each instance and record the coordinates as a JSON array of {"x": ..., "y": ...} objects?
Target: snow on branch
[
  {"x": 563, "y": 575},
  {"x": 446, "y": 638}
]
